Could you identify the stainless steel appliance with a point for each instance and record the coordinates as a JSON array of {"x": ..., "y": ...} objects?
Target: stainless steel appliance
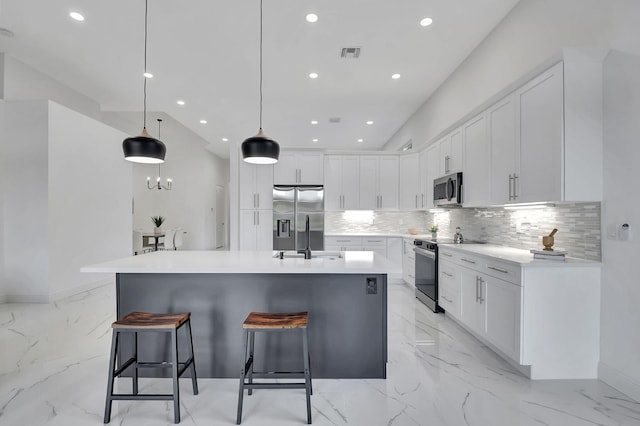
[
  {"x": 447, "y": 190},
  {"x": 426, "y": 275},
  {"x": 291, "y": 206}
]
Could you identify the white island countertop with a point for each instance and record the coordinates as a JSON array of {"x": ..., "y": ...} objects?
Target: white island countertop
[{"x": 245, "y": 262}]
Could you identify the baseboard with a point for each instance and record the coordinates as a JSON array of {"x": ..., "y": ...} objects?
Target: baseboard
[
  {"x": 616, "y": 379},
  {"x": 82, "y": 288},
  {"x": 27, "y": 298}
]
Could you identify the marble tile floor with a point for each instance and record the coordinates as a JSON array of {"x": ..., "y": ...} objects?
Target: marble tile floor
[{"x": 53, "y": 369}]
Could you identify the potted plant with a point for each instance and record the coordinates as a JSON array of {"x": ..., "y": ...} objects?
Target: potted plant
[
  {"x": 434, "y": 231},
  {"x": 157, "y": 222}
]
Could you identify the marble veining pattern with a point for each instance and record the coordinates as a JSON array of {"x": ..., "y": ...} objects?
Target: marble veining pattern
[{"x": 54, "y": 365}]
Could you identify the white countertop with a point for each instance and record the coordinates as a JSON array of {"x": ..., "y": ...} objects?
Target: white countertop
[
  {"x": 378, "y": 234},
  {"x": 245, "y": 262},
  {"x": 517, "y": 256}
]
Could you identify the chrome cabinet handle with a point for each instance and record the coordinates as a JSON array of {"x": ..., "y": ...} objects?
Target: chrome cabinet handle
[
  {"x": 477, "y": 291},
  {"x": 510, "y": 190},
  {"x": 447, "y": 274},
  {"x": 446, "y": 254},
  {"x": 468, "y": 261},
  {"x": 422, "y": 200},
  {"x": 481, "y": 297},
  {"x": 416, "y": 201},
  {"x": 258, "y": 197},
  {"x": 504, "y": 271},
  {"x": 515, "y": 186}
]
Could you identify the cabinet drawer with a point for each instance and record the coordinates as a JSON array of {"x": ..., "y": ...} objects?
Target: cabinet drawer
[
  {"x": 449, "y": 300},
  {"x": 374, "y": 241},
  {"x": 343, "y": 241},
  {"x": 502, "y": 270},
  {"x": 448, "y": 255}
]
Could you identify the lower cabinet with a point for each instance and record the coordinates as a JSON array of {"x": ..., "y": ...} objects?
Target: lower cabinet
[
  {"x": 502, "y": 320},
  {"x": 449, "y": 288},
  {"x": 408, "y": 262},
  {"x": 256, "y": 229}
]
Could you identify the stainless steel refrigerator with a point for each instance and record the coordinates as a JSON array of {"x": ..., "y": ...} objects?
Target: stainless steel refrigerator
[{"x": 291, "y": 206}]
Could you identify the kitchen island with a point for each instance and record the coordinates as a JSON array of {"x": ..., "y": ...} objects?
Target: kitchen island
[{"x": 346, "y": 297}]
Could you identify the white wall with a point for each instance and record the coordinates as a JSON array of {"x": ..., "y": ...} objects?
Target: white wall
[
  {"x": 21, "y": 82},
  {"x": 26, "y": 225},
  {"x": 533, "y": 33},
  {"x": 620, "y": 347},
  {"x": 89, "y": 200}
]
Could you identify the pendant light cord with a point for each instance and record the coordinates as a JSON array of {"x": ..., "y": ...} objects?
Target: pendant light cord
[
  {"x": 260, "y": 64},
  {"x": 144, "y": 114}
]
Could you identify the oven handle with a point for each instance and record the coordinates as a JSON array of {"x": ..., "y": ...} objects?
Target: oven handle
[{"x": 424, "y": 252}]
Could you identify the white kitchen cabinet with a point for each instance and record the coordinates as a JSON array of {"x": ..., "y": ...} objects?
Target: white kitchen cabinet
[
  {"x": 502, "y": 310},
  {"x": 340, "y": 243},
  {"x": 410, "y": 193},
  {"x": 342, "y": 182},
  {"x": 376, "y": 244},
  {"x": 501, "y": 119},
  {"x": 432, "y": 156},
  {"x": 449, "y": 287},
  {"x": 424, "y": 185},
  {"x": 476, "y": 179},
  {"x": 472, "y": 307},
  {"x": 450, "y": 157},
  {"x": 394, "y": 250},
  {"x": 256, "y": 229},
  {"x": 408, "y": 262},
  {"x": 299, "y": 168},
  {"x": 256, "y": 186},
  {"x": 378, "y": 182}
]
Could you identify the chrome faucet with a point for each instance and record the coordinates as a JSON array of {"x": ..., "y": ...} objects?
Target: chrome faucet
[
  {"x": 307, "y": 231},
  {"x": 457, "y": 238}
]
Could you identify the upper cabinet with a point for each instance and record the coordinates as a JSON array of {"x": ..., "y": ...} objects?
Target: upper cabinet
[
  {"x": 501, "y": 120},
  {"x": 256, "y": 186},
  {"x": 450, "y": 160},
  {"x": 476, "y": 178},
  {"x": 299, "y": 168},
  {"x": 432, "y": 157},
  {"x": 379, "y": 182},
  {"x": 341, "y": 184},
  {"x": 410, "y": 186}
]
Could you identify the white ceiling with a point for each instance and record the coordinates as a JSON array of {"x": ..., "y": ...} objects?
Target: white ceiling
[{"x": 206, "y": 52}]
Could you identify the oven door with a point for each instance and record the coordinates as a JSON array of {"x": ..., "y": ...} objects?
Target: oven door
[{"x": 427, "y": 278}]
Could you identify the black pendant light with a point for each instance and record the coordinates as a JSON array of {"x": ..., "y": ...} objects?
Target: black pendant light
[
  {"x": 144, "y": 148},
  {"x": 260, "y": 149}
]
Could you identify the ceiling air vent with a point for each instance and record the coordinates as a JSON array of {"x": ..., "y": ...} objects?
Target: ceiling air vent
[
  {"x": 350, "y": 53},
  {"x": 334, "y": 119}
]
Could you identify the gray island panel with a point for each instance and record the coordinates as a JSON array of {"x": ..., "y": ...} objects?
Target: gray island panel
[{"x": 347, "y": 324}]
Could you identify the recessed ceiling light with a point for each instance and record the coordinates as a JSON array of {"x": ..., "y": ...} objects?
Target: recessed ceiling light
[
  {"x": 360, "y": 140},
  {"x": 314, "y": 140},
  {"x": 313, "y": 75},
  {"x": 180, "y": 102},
  {"x": 395, "y": 76},
  {"x": 203, "y": 121},
  {"x": 311, "y": 17},
  {"x": 425, "y": 22},
  {"x": 148, "y": 75},
  {"x": 77, "y": 16},
  {"x": 225, "y": 139},
  {"x": 370, "y": 122},
  {"x": 314, "y": 121}
]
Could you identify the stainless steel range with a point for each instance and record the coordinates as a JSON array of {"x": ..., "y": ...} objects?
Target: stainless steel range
[{"x": 427, "y": 273}]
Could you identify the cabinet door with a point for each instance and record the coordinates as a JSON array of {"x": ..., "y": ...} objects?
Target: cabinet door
[
  {"x": 408, "y": 263},
  {"x": 540, "y": 106},
  {"x": 394, "y": 250},
  {"x": 264, "y": 186},
  {"x": 423, "y": 193},
  {"x": 449, "y": 288},
  {"x": 502, "y": 300},
  {"x": 502, "y": 139},
  {"x": 410, "y": 187},
  {"x": 310, "y": 169},
  {"x": 388, "y": 182},
  {"x": 368, "y": 183},
  {"x": 455, "y": 152},
  {"x": 444, "y": 156},
  {"x": 247, "y": 185},
  {"x": 350, "y": 182},
  {"x": 248, "y": 220},
  {"x": 333, "y": 183},
  {"x": 264, "y": 230},
  {"x": 433, "y": 172},
  {"x": 476, "y": 178},
  {"x": 285, "y": 171},
  {"x": 471, "y": 310}
]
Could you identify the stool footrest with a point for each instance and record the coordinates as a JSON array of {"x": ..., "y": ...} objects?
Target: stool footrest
[
  {"x": 278, "y": 375},
  {"x": 139, "y": 397},
  {"x": 275, "y": 385}
]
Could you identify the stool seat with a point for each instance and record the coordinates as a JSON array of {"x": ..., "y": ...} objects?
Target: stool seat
[
  {"x": 149, "y": 320},
  {"x": 265, "y": 320}
]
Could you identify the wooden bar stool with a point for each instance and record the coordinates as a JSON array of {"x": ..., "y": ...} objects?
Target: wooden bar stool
[
  {"x": 267, "y": 322},
  {"x": 142, "y": 322}
]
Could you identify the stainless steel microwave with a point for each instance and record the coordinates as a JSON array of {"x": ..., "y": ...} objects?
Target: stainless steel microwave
[{"x": 447, "y": 190}]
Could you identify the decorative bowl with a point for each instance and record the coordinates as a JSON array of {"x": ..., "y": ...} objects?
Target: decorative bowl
[{"x": 414, "y": 231}]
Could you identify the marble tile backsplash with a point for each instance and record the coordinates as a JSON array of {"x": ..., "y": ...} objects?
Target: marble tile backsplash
[{"x": 578, "y": 225}]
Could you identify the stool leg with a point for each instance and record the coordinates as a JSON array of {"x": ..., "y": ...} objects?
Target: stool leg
[
  {"x": 174, "y": 369},
  {"x": 112, "y": 362},
  {"x": 242, "y": 374},
  {"x": 307, "y": 374},
  {"x": 134, "y": 375},
  {"x": 252, "y": 337},
  {"x": 194, "y": 381}
]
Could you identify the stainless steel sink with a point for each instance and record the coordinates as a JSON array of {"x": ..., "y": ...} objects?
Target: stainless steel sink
[{"x": 314, "y": 255}]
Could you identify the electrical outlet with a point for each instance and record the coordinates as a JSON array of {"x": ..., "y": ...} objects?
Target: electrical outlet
[{"x": 372, "y": 285}]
